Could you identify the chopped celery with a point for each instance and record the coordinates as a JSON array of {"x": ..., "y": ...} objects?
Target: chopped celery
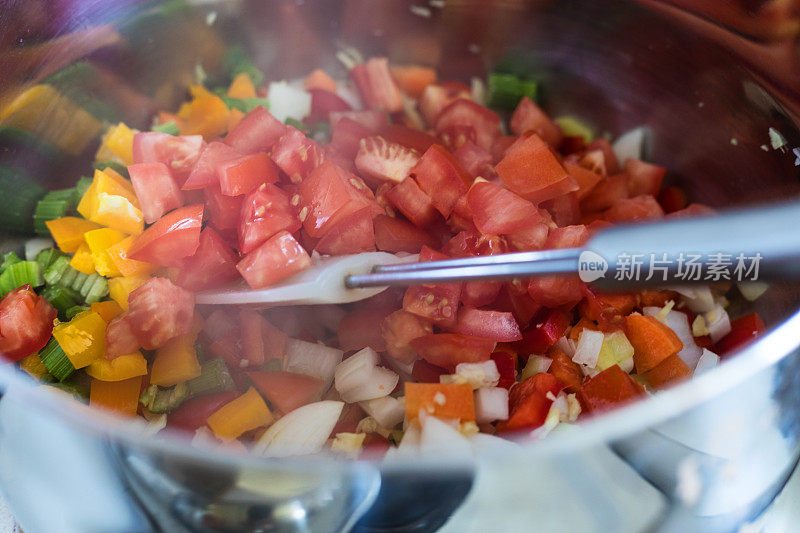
[
  {"x": 572, "y": 127},
  {"x": 236, "y": 62},
  {"x": 72, "y": 311},
  {"x": 97, "y": 291},
  {"x": 18, "y": 200},
  {"x": 214, "y": 377},
  {"x": 79, "y": 280},
  {"x": 9, "y": 258},
  {"x": 48, "y": 210},
  {"x": 158, "y": 400},
  {"x": 83, "y": 185},
  {"x": 506, "y": 90},
  {"x": 56, "y": 361},
  {"x": 167, "y": 127},
  {"x": 55, "y": 270},
  {"x": 47, "y": 257},
  {"x": 18, "y": 274},
  {"x": 62, "y": 299}
]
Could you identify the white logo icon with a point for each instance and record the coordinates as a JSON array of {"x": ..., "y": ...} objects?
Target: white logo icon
[{"x": 591, "y": 266}]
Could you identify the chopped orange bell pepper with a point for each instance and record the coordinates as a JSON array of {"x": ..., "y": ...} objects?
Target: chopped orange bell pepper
[
  {"x": 206, "y": 114},
  {"x": 109, "y": 183},
  {"x": 83, "y": 338},
  {"x": 413, "y": 79},
  {"x": 117, "y": 212},
  {"x": 242, "y": 87},
  {"x": 82, "y": 261},
  {"x": 669, "y": 371},
  {"x": 122, "y": 397},
  {"x": 118, "y": 369},
  {"x": 121, "y": 287},
  {"x": 175, "y": 362},
  {"x": 68, "y": 232},
  {"x": 108, "y": 309},
  {"x": 119, "y": 140},
  {"x": 319, "y": 79},
  {"x": 248, "y": 411},
  {"x": 652, "y": 341},
  {"x": 438, "y": 399},
  {"x": 128, "y": 267},
  {"x": 99, "y": 241}
]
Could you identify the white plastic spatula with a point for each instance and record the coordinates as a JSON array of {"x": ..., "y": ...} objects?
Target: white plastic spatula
[{"x": 320, "y": 284}]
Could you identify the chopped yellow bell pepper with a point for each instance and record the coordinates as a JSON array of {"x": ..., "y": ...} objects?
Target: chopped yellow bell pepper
[
  {"x": 120, "y": 288},
  {"x": 83, "y": 338},
  {"x": 117, "y": 212},
  {"x": 119, "y": 140},
  {"x": 129, "y": 267},
  {"x": 248, "y": 411},
  {"x": 99, "y": 241},
  {"x": 33, "y": 366},
  {"x": 242, "y": 87},
  {"x": 122, "y": 397},
  {"x": 109, "y": 183},
  {"x": 118, "y": 369},
  {"x": 108, "y": 309},
  {"x": 205, "y": 115},
  {"x": 82, "y": 261},
  {"x": 175, "y": 362},
  {"x": 68, "y": 232}
]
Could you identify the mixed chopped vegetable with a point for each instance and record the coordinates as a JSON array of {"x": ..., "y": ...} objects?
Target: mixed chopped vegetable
[{"x": 254, "y": 180}]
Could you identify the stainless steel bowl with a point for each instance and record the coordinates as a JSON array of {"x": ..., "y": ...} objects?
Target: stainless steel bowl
[{"x": 708, "y": 455}]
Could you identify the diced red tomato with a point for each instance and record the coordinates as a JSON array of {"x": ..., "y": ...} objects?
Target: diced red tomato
[
  {"x": 172, "y": 238},
  {"x": 212, "y": 265},
  {"x": 609, "y": 157},
  {"x": 586, "y": 179},
  {"x": 607, "y": 389},
  {"x": 229, "y": 347},
  {"x": 606, "y": 308},
  {"x": 500, "y": 147},
  {"x": 530, "y": 117},
  {"x": 223, "y": 212},
  {"x": 672, "y": 199},
  {"x": 495, "y": 325},
  {"x": 381, "y": 161},
  {"x": 551, "y": 327},
  {"x": 395, "y": 235},
  {"x": 449, "y": 349},
  {"x": 438, "y": 96},
  {"x": 120, "y": 338},
  {"x": 693, "y": 210},
  {"x": 514, "y": 297},
  {"x": 469, "y": 243},
  {"x": 346, "y": 136},
  {"x": 410, "y": 200},
  {"x": 531, "y": 169},
  {"x": 567, "y": 237},
  {"x": 572, "y": 144},
  {"x": 246, "y": 173},
  {"x": 564, "y": 210},
  {"x": 349, "y": 234},
  {"x": 644, "y": 178},
  {"x": 155, "y": 188},
  {"x": 371, "y": 119},
  {"x": 408, "y": 137},
  {"x": 323, "y": 103},
  {"x": 191, "y": 415},
  {"x": 437, "y": 303},
  {"x": 565, "y": 370},
  {"x": 531, "y": 238},
  {"x": 496, "y": 210},
  {"x": 265, "y": 212},
  {"x": 159, "y": 311},
  {"x": 26, "y": 323},
  {"x": 556, "y": 291},
  {"x": 258, "y": 131},
  {"x": 399, "y": 329},
  {"x": 330, "y": 193},
  {"x": 277, "y": 258},
  {"x": 296, "y": 154},
  {"x": 644, "y": 207},
  {"x": 607, "y": 193},
  {"x": 480, "y": 293},
  {"x": 424, "y": 372},
  {"x": 529, "y": 403},
  {"x": 376, "y": 86},
  {"x": 178, "y": 152},
  {"x": 252, "y": 337},
  {"x": 743, "y": 331},
  {"x": 464, "y": 112},
  {"x": 441, "y": 178},
  {"x": 592, "y": 160},
  {"x": 361, "y": 328},
  {"x": 204, "y": 174},
  {"x": 506, "y": 363},
  {"x": 475, "y": 160},
  {"x": 287, "y": 391}
]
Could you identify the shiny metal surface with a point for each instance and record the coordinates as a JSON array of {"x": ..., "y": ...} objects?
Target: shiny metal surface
[{"x": 704, "y": 456}]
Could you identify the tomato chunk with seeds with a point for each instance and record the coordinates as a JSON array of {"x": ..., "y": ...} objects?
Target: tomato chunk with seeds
[
  {"x": 212, "y": 265},
  {"x": 265, "y": 212},
  {"x": 463, "y": 112},
  {"x": 26, "y": 323},
  {"x": 178, "y": 152},
  {"x": 277, "y": 258},
  {"x": 440, "y": 177},
  {"x": 533, "y": 171},
  {"x": 349, "y": 234},
  {"x": 204, "y": 173},
  {"x": 410, "y": 200},
  {"x": 158, "y": 311},
  {"x": 379, "y": 160},
  {"x": 171, "y": 239},
  {"x": 223, "y": 212},
  {"x": 155, "y": 188},
  {"x": 296, "y": 154},
  {"x": 399, "y": 329}
]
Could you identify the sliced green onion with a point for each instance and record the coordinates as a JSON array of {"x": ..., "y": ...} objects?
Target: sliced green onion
[
  {"x": 56, "y": 361},
  {"x": 293, "y": 122},
  {"x": 236, "y": 62},
  {"x": 506, "y": 90},
  {"x": 83, "y": 185},
  {"x": 62, "y": 299},
  {"x": 19, "y": 274},
  {"x": 72, "y": 311},
  {"x": 214, "y": 377},
  {"x": 18, "y": 200},
  {"x": 9, "y": 258},
  {"x": 97, "y": 291},
  {"x": 245, "y": 105},
  {"x": 167, "y": 127},
  {"x": 118, "y": 167},
  {"x": 158, "y": 400},
  {"x": 47, "y": 257}
]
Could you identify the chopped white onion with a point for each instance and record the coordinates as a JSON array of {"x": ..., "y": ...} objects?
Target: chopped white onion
[
  {"x": 303, "y": 431},
  {"x": 588, "y": 348},
  {"x": 405, "y": 370},
  {"x": 627, "y": 365},
  {"x": 477, "y": 375},
  {"x": 359, "y": 377},
  {"x": 312, "y": 359},
  {"x": 491, "y": 404},
  {"x": 752, "y": 290},
  {"x": 718, "y": 323},
  {"x": 440, "y": 437},
  {"x": 217, "y": 324},
  {"x": 409, "y": 444},
  {"x": 387, "y": 411},
  {"x": 566, "y": 345},
  {"x": 630, "y": 145},
  {"x": 679, "y": 323},
  {"x": 699, "y": 299},
  {"x": 34, "y": 246},
  {"x": 286, "y": 101},
  {"x": 707, "y": 361}
]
